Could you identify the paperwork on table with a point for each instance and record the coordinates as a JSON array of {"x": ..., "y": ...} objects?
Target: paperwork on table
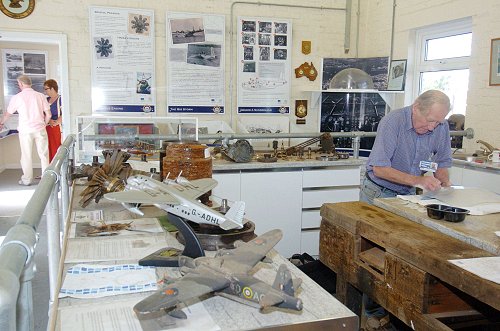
[
  {"x": 484, "y": 267},
  {"x": 95, "y": 281},
  {"x": 113, "y": 249},
  {"x": 477, "y": 201},
  {"x": 118, "y": 315}
]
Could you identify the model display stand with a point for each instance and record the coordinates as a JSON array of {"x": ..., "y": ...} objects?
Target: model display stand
[{"x": 169, "y": 256}]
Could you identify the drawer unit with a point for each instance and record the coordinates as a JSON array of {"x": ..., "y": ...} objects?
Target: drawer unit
[
  {"x": 338, "y": 176},
  {"x": 316, "y": 198}
]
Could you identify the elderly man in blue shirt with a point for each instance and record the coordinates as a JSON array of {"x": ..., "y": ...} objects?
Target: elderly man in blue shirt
[{"x": 409, "y": 142}]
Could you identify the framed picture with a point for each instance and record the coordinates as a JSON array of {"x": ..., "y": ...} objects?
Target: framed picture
[
  {"x": 397, "y": 75},
  {"x": 495, "y": 62}
]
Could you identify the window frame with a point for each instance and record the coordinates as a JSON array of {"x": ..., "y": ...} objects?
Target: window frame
[{"x": 440, "y": 30}]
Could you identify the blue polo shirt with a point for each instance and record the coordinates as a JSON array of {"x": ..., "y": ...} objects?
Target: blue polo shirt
[{"x": 399, "y": 146}]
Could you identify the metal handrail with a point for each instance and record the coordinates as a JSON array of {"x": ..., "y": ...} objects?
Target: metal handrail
[{"x": 18, "y": 247}]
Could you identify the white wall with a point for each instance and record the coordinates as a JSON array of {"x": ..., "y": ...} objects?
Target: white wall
[{"x": 483, "y": 110}]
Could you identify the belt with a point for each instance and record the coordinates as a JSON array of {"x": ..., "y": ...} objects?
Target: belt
[{"x": 383, "y": 188}]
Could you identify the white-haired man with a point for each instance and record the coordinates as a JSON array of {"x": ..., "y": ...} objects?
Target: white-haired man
[{"x": 34, "y": 114}]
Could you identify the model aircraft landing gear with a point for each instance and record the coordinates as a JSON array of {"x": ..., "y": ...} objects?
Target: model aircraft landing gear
[{"x": 169, "y": 256}]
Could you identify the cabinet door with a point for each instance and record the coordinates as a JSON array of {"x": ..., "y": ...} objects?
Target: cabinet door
[
  {"x": 274, "y": 201},
  {"x": 228, "y": 186}
]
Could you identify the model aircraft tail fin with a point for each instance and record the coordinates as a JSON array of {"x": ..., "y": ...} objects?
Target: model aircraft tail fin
[
  {"x": 234, "y": 216},
  {"x": 284, "y": 281}
]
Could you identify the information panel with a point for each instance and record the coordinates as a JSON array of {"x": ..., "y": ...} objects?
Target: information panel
[
  {"x": 264, "y": 65},
  {"x": 195, "y": 63},
  {"x": 123, "y": 48}
]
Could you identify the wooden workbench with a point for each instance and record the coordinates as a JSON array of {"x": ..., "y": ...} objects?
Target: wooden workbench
[
  {"x": 478, "y": 231},
  {"x": 321, "y": 311},
  {"x": 404, "y": 266}
]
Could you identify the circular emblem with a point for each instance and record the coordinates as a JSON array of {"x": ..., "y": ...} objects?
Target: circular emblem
[
  {"x": 146, "y": 109},
  {"x": 17, "y": 8},
  {"x": 282, "y": 110},
  {"x": 247, "y": 292},
  {"x": 216, "y": 109}
]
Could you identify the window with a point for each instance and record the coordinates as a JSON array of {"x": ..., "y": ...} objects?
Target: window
[{"x": 442, "y": 61}]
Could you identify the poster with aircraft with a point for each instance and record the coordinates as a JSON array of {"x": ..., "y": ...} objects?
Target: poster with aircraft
[
  {"x": 264, "y": 65},
  {"x": 195, "y": 63}
]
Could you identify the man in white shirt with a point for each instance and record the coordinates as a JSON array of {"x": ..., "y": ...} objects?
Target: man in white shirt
[{"x": 34, "y": 114}]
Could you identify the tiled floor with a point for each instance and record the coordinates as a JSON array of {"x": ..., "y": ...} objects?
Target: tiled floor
[{"x": 13, "y": 199}]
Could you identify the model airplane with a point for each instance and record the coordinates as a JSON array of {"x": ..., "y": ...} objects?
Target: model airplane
[
  {"x": 226, "y": 275},
  {"x": 177, "y": 196}
]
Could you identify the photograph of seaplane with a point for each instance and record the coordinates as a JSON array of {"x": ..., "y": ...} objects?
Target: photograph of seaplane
[
  {"x": 204, "y": 54},
  {"x": 227, "y": 275},
  {"x": 178, "y": 196},
  {"x": 187, "y": 30}
]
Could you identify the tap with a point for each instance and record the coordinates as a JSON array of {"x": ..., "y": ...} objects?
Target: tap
[{"x": 488, "y": 149}]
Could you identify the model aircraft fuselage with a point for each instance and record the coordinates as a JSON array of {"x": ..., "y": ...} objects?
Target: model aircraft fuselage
[
  {"x": 227, "y": 275},
  {"x": 179, "y": 198}
]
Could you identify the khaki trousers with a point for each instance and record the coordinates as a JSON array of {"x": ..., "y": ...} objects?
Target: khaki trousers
[{"x": 26, "y": 141}]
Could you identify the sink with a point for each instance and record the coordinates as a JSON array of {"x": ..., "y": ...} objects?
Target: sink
[{"x": 470, "y": 158}]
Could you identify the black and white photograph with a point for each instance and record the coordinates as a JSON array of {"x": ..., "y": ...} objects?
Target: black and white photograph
[
  {"x": 264, "y": 39},
  {"x": 37, "y": 82},
  {"x": 204, "y": 54},
  {"x": 34, "y": 63},
  {"x": 248, "y": 26},
  {"x": 280, "y": 54},
  {"x": 280, "y": 28},
  {"x": 279, "y": 40},
  {"x": 397, "y": 74},
  {"x": 248, "y": 38},
  {"x": 376, "y": 67},
  {"x": 249, "y": 66},
  {"x": 265, "y": 53},
  {"x": 11, "y": 86},
  {"x": 187, "y": 30},
  {"x": 348, "y": 112},
  {"x": 14, "y": 71},
  {"x": 247, "y": 53},
  {"x": 13, "y": 57},
  {"x": 265, "y": 27}
]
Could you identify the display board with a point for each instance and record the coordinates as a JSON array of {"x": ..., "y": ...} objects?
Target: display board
[
  {"x": 195, "y": 63},
  {"x": 122, "y": 55},
  {"x": 264, "y": 65},
  {"x": 18, "y": 62}
]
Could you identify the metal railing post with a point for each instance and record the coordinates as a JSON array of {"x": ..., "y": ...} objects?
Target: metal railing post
[
  {"x": 25, "y": 316},
  {"x": 53, "y": 238}
]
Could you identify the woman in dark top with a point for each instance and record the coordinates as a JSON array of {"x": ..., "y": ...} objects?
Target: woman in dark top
[{"x": 54, "y": 126}]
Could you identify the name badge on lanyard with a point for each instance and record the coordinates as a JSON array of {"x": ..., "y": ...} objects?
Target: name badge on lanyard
[{"x": 428, "y": 166}]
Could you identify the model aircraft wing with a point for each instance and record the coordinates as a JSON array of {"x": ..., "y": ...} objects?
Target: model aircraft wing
[
  {"x": 147, "y": 196},
  {"x": 197, "y": 187},
  {"x": 190, "y": 286},
  {"x": 245, "y": 257}
]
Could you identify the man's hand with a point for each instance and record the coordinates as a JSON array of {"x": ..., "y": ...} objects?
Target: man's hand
[{"x": 429, "y": 183}]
